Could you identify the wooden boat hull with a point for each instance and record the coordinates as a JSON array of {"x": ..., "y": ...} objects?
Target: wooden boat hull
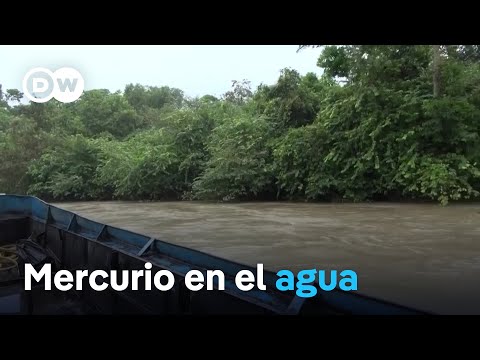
[{"x": 81, "y": 243}]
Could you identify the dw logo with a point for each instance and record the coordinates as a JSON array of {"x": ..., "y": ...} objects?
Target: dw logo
[{"x": 40, "y": 85}]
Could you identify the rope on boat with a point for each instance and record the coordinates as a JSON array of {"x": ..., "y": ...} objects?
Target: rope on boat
[{"x": 8, "y": 258}]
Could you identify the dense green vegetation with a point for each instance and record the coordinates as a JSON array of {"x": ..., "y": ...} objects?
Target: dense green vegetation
[{"x": 382, "y": 122}]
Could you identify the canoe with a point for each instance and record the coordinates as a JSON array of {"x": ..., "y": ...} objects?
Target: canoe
[{"x": 79, "y": 243}]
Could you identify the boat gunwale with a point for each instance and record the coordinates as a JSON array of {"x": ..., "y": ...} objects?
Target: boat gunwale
[{"x": 331, "y": 299}]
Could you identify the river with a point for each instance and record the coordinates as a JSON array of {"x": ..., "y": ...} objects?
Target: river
[{"x": 420, "y": 255}]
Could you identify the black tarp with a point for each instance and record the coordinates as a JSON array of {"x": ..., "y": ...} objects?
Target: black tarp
[{"x": 30, "y": 251}]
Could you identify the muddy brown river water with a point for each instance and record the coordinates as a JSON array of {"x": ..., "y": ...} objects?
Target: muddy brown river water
[{"x": 420, "y": 255}]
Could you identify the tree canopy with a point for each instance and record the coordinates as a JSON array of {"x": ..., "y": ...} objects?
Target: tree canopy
[{"x": 380, "y": 123}]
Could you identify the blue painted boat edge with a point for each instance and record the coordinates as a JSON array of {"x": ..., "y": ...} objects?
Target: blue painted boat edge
[{"x": 39, "y": 210}]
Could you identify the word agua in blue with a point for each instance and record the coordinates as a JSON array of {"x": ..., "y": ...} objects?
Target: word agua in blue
[{"x": 306, "y": 279}]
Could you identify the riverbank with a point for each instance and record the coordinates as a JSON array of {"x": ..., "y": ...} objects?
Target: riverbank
[{"x": 297, "y": 201}]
